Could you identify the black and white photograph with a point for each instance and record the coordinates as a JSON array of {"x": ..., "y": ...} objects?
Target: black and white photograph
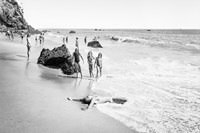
[{"x": 99, "y": 66}]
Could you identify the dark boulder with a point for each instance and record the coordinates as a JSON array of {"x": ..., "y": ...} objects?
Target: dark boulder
[
  {"x": 72, "y": 31},
  {"x": 58, "y": 58},
  {"x": 94, "y": 44}
]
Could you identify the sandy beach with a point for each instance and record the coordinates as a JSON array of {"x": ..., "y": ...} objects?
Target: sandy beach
[{"x": 33, "y": 97}]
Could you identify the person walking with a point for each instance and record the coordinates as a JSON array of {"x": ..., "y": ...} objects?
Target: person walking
[{"x": 76, "y": 44}]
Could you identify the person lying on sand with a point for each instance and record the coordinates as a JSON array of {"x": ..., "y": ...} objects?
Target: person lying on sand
[{"x": 92, "y": 100}]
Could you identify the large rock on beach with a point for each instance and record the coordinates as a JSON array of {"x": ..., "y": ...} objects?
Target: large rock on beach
[
  {"x": 58, "y": 58},
  {"x": 94, "y": 44},
  {"x": 72, "y": 31}
]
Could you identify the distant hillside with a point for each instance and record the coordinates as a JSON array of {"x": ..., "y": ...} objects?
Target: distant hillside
[{"x": 11, "y": 16}]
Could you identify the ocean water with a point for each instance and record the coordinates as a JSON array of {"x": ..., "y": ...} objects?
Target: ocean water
[{"x": 158, "y": 71}]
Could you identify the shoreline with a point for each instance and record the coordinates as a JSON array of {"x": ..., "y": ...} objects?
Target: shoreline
[{"x": 33, "y": 97}]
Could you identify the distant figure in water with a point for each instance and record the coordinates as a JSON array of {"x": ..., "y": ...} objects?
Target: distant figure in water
[
  {"x": 67, "y": 39},
  {"x": 63, "y": 40},
  {"x": 98, "y": 64},
  {"x": 36, "y": 40},
  {"x": 8, "y": 34},
  {"x": 76, "y": 60},
  {"x": 40, "y": 39},
  {"x": 28, "y": 45},
  {"x": 92, "y": 100},
  {"x": 95, "y": 38},
  {"x": 85, "y": 40},
  {"x": 76, "y": 44},
  {"x": 90, "y": 59},
  {"x": 43, "y": 38},
  {"x": 12, "y": 35}
]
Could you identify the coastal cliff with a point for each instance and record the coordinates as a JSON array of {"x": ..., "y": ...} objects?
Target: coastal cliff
[{"x": 11, "y": 16}]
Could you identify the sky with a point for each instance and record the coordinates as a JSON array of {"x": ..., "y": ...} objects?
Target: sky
[{"x": 117, "y": 14}]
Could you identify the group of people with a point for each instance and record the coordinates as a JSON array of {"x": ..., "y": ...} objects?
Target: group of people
[
  {"x": 76, "y": 41},
  {"x": 10, "y": 34},
  {"x": 40, "y": 38},
  {"x": 28, "y": 44},
  {"x": 65, "y": 39},
  {"x": 92, "y": 63}
]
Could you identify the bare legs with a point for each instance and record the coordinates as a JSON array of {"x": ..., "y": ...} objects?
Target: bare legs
[
  {"x": 99, "y": 69},
  {"x": 28, "y": 50}
]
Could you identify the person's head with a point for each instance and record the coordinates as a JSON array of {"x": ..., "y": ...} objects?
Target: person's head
[
  {"x": 100, "y": 55},
  {"x": 28, "y": 35},
  {"x": 76, "y": 50},
  {"x": 89, "y": 53},
  {"x": 76, "y": 38}
]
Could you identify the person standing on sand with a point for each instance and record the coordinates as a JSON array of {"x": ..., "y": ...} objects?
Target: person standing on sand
[
  {"x": 11, "y": 34},
  {"x": 36, "y": 40},
  {"x": 76, "y": 42},
  {"x": 66, "y": 39},
  {"x": 98, "y": 64},
  {"x": 90, "y": 59},
  {"x": 28, "y": 45},
  {"x": 63, "y": 40},
  {"x": 76, "y": 60},
  {"x": 40, "y": 39},
  {"x": 22, "y": 36},
  {"x": 85, "y": 40}
]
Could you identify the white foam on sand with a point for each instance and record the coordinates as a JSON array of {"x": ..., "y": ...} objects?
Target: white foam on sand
[{"x": 163, "y": 95}]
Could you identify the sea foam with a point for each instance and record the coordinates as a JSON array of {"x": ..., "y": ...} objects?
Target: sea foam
[{"x": 163, "y": 97}]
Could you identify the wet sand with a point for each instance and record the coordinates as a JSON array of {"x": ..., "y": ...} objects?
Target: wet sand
[{"x": 33, "y": 97}]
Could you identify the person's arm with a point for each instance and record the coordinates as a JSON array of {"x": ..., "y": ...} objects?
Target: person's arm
[
  {"x": 93, "y": 101},
  {"x": 95, "y": 63},
  {"x": 73, "y": 59},
  {"x": 81, "y": 57},
  {"x": 73, "y": 99}
]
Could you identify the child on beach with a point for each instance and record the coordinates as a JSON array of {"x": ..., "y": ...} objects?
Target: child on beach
[
  {"x": 67, "y": 39},
  {"x": 90, "y": 59},
  {"x": 22, "y": 36},
  {"x": 85, "y": 40},
  {"x": 76, "y": 60},
  {"x": 36, "y": 40},
  {"x": 76, "y": 42},
  {"x": 63, "y": 40},
  {"x": 40, "y": 39},
  {"x": 28, "y": 45},
  {"x": 98, "y": 64}
]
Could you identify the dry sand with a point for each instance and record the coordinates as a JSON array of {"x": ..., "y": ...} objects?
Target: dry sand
[{"x": 33, "y": 97}]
